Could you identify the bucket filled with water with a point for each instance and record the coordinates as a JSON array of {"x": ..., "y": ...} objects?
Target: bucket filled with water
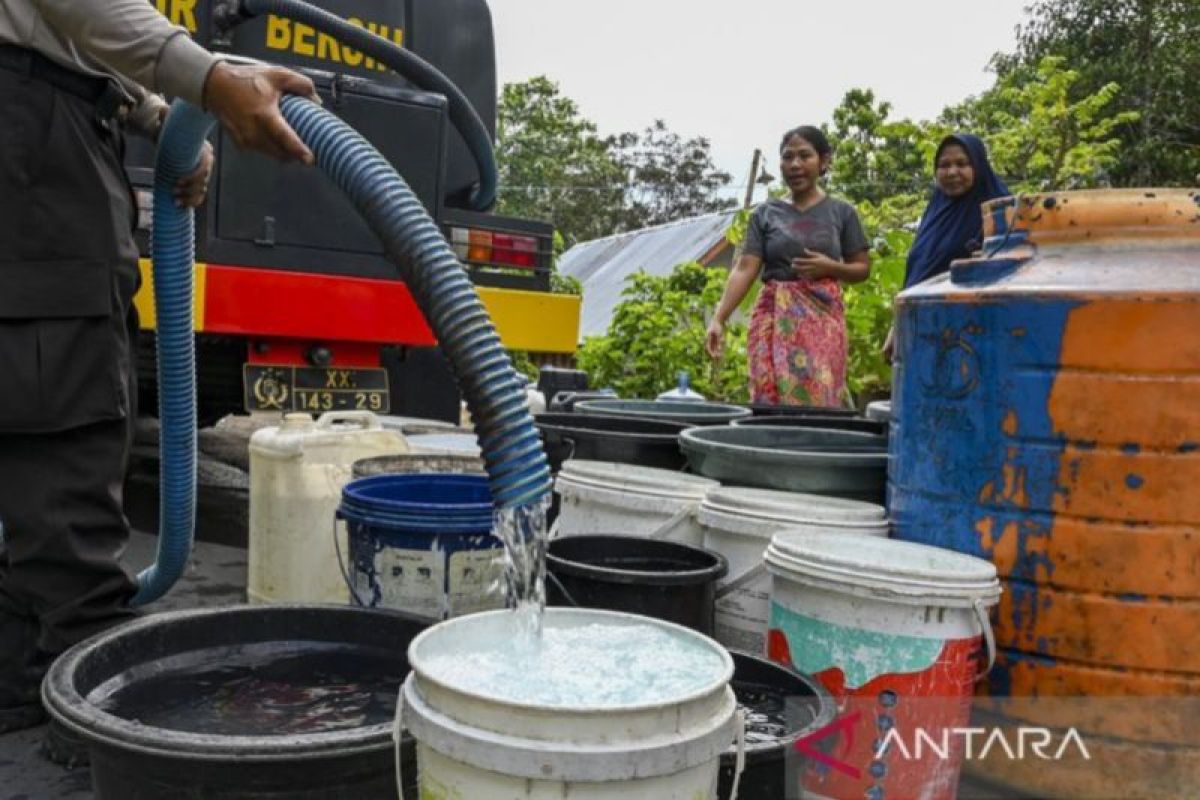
[
  {"x": 899, "y": 634},
  {"x": 423, "y": 544},
  {"x": 605, "y": 706}
]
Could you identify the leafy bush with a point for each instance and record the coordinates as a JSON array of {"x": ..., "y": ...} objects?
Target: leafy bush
[
  {"x": 658, "y": 329},
  {"x": 524, "y": 364},
  {"x": 869, "y": 316},
  {"x": 565, "y": 284}
]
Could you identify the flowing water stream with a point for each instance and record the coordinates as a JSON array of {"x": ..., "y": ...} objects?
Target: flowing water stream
[{"x": 522, "y": 529}]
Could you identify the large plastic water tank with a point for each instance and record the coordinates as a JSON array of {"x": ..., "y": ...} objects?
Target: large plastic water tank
[{"x": 1047, "y": 417}]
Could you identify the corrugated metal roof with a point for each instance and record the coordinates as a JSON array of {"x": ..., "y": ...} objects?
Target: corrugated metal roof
[{"x": 602, "y": 265}]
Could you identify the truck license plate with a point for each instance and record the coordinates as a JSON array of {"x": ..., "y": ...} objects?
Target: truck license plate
[{"x": 315, "y": 389}]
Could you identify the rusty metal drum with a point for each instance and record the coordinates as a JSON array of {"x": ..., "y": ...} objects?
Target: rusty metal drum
[{"x": 1047, "y": 417}]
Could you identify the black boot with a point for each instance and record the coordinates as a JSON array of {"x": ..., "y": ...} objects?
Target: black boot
[{"x": 21, "y": 673}]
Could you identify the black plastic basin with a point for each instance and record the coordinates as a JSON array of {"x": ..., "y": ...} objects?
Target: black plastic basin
[
  {"x": 665, "y": 580},
  {"x": 623, "y": 440},
  {"x": 765, "y": 776},
  {"x": 165, "y": 665}
]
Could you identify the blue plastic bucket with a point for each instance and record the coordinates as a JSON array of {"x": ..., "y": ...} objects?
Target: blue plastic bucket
[{"x": 423, "y": 544}]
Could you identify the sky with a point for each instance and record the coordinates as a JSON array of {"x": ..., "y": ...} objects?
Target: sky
[{"x": 742, "y": 72}]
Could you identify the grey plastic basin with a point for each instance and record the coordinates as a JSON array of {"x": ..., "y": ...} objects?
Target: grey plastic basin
[
  {"x": 815, "y": 461},
  {"x": 692, "y": 413}
]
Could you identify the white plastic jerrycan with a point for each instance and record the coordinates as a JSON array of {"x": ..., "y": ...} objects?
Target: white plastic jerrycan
[{"x": 297, "y": 471}]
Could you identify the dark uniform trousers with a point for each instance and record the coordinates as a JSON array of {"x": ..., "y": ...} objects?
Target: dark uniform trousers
[{"x": 68, "y": 272}]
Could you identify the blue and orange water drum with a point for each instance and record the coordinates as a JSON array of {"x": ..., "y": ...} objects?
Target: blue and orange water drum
[{"x": 1047, "y": 417}]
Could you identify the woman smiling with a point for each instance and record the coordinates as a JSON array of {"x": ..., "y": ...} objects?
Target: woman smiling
[
  {"x": 952, "y": 225},
  {"x": 804, "y": 247}
]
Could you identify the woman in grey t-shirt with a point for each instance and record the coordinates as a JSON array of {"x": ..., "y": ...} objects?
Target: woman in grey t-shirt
[{"x": 804, "y": 248}]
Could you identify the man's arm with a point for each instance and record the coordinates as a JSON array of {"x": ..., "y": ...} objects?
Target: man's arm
[{"x": 130, "y": 37}]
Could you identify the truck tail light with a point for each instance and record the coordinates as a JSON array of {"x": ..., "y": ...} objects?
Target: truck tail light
[{"x": 493, "y": 248}]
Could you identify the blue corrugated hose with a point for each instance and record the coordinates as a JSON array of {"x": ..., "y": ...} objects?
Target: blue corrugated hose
[
  {"x": 173, "y": 250},
  {"x": 512, "y": 451}
]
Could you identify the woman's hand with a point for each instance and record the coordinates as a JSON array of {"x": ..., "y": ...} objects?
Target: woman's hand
[
  {"x": 714, "y": 340},
  {"x": 816, "y": 265}
]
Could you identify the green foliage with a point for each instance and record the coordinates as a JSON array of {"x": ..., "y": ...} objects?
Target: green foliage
[
  {"x": 1146, "y": 46},
  {"x": 565, "y": 284},
  {"x": 554, "y": 166},
  {"x": 658, "y": 329},
  {"x": 875, "y": 157},
  {"x": 670, "y": 177},
  {"x": 737, "y": 229},
  {"x": 869, "y": 315},
  {"x": 559, "y": 283},
  {"x": 1042, "y": 132},
  {"x": 523, "y": 364}
]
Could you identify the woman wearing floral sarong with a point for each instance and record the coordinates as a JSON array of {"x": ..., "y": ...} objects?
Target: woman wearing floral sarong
[{"x": 805, "y": 247}]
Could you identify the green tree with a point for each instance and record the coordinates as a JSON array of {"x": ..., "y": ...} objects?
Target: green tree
[
  {"x": 670, "y": 177},
  {"x": 1149, "y": 48},
  {"x": 553, "y": 164},
  {"x": 1043, "y": 132},
  {"x": 658, "y": 329},
  {"x": 875, "y": 157}
]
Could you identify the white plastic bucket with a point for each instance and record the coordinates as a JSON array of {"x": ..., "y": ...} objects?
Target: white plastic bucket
[
  {"x": 739, "y": 523},
  {"x": 600, "y": 497},
  {"x": 297, "y": 471},
  {"x": 472, "y": 746},
  {"x": 898, "y": 633},
  {"x": 880, "y": 410}
]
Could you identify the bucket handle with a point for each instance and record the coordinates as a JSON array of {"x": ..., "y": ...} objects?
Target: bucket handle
[
  {"x": 562, "y": 589},
  {"x": 664, "y": 530},
  {"x": 397, "y": 736},
  {"x": 364, "y": 419},
  {"x": 337, "y": 548},
  {"x": 745, "y": 579},
  {"x": 739, "y": 764},
  {"x": 989, "y": 636}
]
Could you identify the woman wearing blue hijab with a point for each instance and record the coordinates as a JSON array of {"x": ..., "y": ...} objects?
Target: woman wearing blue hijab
[{"x": 952, "y": 225}]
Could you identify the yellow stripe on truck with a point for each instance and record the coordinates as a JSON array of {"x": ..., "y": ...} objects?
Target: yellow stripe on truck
[
  {"x": 144, "y": 299},
  {"x": 536, "y": 321}
]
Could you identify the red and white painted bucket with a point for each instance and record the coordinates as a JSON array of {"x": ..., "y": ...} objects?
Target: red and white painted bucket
[{"x": 899, "y": 634}]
